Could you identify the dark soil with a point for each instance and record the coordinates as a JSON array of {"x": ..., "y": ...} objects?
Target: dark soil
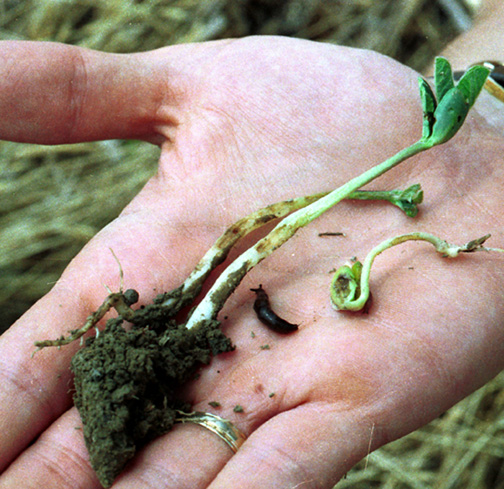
[{"x": 126, "y": 383}]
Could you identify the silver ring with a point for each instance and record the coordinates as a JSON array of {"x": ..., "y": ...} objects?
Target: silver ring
[{"x": 223, "y": 428}]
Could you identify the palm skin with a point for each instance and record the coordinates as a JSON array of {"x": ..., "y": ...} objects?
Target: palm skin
[{"x": 243, "y": 124}]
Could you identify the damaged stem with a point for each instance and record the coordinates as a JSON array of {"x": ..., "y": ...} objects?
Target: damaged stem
[{"x": 407, "y": 200}]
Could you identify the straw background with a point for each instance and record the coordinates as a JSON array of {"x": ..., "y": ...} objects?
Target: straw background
[{"x": 54, "y": 199}]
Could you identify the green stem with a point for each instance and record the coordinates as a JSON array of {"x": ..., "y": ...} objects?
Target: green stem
[
  {"x": 371, "y": 195},
  {"x": 305, "y": 216}
]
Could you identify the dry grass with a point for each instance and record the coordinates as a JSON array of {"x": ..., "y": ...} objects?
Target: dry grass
[
  {"x": 463, "y": 449},
  {"x": 52, "y": 199}
]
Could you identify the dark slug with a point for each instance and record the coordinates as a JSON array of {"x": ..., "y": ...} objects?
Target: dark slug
[{"x": 267, "y": 316}]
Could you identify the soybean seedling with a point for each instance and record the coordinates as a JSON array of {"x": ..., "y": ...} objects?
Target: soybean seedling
[{"x": 442, "y": 118}]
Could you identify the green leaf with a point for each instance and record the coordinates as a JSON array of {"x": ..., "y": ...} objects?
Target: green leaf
[
  {"x": 450, "y": 115},
  {"x": 454, "y": 102},
  {"x": 428, "y": 106},
  {"x": 472, "y": 82},
  {"x": 443, "y": 77},
  {"x": 408, "y": 199}
]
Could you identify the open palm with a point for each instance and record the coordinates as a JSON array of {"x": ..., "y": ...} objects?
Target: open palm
[{"x": 243, "y": 124}]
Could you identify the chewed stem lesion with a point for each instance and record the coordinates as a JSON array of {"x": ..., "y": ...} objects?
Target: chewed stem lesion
[{"x": 220, "y": 250}]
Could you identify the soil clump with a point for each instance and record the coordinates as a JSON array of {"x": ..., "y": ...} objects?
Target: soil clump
[{"x": 126, "y": 383}]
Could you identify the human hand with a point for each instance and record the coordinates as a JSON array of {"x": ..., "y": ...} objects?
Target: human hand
[{"x": 243, "y": 124}]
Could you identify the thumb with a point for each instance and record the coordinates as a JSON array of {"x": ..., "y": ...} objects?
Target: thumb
[{"x": 52, "y": 93}]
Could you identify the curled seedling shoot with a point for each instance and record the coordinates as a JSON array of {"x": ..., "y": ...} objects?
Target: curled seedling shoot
[{"x": 350, "y": 284}]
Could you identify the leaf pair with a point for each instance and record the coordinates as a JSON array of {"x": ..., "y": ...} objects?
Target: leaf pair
[{"x": 444, "y": 117}]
